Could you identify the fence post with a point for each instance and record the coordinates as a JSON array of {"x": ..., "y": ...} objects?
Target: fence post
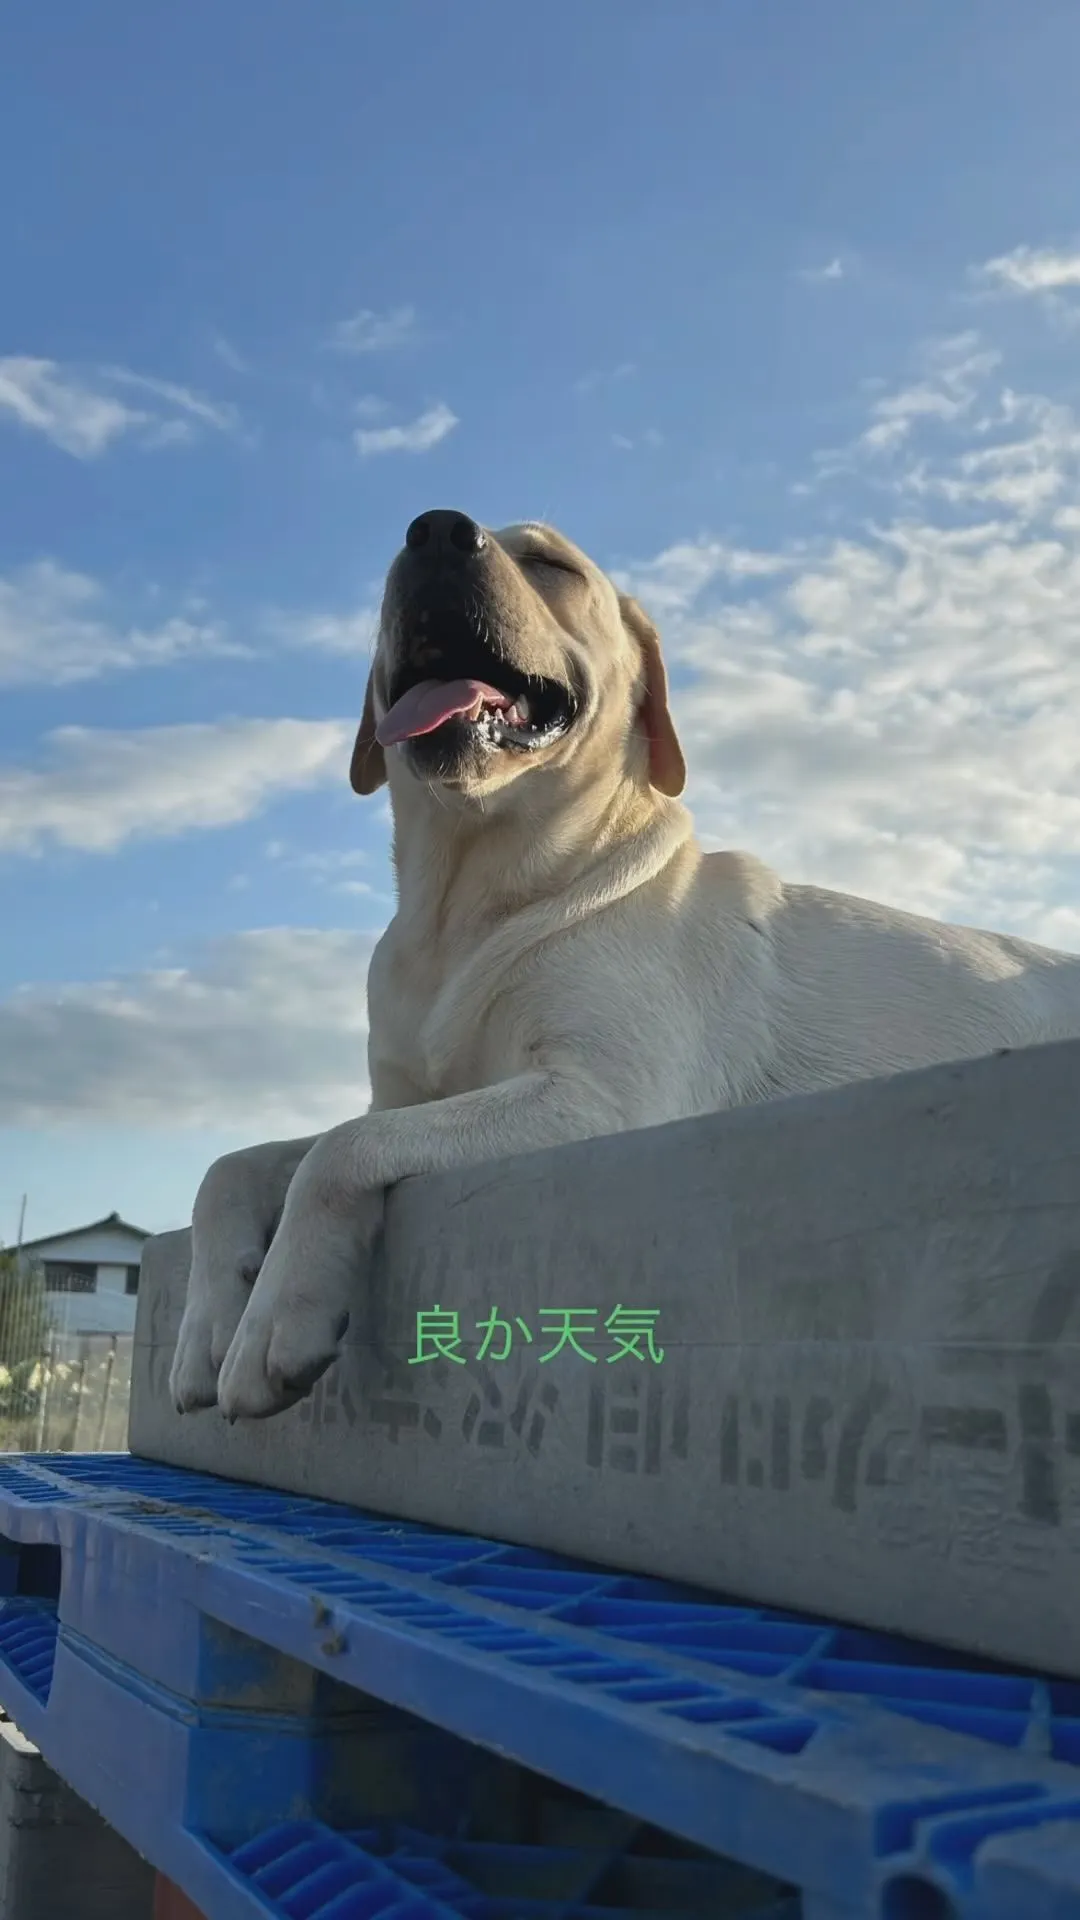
[
  {"x": 43, "y": 1396},
  {"x": 110, "y": 1364}
]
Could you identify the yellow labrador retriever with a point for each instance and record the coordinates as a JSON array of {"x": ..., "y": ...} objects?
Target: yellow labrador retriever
[{"x": 564, "y": 961}]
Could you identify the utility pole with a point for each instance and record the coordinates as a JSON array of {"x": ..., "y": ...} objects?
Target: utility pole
[{"x": 22, "y": 1223}]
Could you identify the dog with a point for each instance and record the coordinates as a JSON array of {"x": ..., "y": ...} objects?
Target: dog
[{"x": 564, "y": 960}]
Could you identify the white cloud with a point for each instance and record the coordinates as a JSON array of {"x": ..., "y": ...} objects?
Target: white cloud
[
  {"x": 606, "y": 377},
  {"x": 954, "y": 371},
  {"x": 415, "y": 436},
  {"x": 83, "y": 414},
  {"x": 69, "y": 414},
  {"x": 994, "y": 447},
  {"x": 371, "y": 332},
  {"x": 982, "y": 445},
  {"x": 325, "y": 863},
  {"x": 651, "y": 438},
  {"x": 350, "y": 634},
  {"x": 56, "y": 628},
  {"x": 59, "y": 627},
  {"x": 184, "y": 410},
  {"x": 894, "y": 711},
  {"x": 671, "y": 582},
  {"x": 229, "y": 355},
  {"x": 98, "y": 791},
  {"x": 833, "y": 269},
  {"x": 266, "y": 1031},
  {"x": 1034, "y": 269},
  {"x": 337, "y": 869}
]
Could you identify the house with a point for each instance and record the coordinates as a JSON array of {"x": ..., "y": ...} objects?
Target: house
[{"x": 91, "y": 1275}]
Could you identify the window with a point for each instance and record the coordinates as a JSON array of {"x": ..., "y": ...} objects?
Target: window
[
  {"x": 70, "y": 1276},
  {"x": 132, "y": 1280}
]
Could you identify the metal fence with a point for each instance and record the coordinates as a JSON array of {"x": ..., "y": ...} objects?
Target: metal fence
[{"x": 72, "y": 1399}]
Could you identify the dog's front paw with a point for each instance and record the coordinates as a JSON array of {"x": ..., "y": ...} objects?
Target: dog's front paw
[
  {"x": 275, "y": 1360},
  {"x": 293, "y": 1327},
  {"x": 193, "y": 1376},
  {"x": 231, "y": 1224},
  {"x": 214, "y": 1310}
]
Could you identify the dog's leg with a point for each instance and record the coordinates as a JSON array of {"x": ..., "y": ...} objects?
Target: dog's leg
[
  {"x": 237, "y": 1208},
  {"x": 299, "y": 1307}
]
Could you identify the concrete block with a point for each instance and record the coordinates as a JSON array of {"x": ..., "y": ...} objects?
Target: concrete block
[
  {"x": 56, "y": 1854},
  {"x": 868, "y": 1405}
]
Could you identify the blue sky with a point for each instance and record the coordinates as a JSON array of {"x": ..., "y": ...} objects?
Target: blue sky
[{"x": 776, "y": 310}]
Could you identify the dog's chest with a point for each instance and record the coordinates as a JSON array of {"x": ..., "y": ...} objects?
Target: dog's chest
[{"x": 427, "y": 1024}]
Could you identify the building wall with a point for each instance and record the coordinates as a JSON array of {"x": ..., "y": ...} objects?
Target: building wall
[
  {"x": 108, "y": 1312},
  {"x": 105, "y": 1247},
  {"x": 109, "y": 1308},
  {"x": 113, "y": 1278}
]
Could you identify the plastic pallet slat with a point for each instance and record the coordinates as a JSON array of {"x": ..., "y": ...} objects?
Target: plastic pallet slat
[
  {"x": 307, "y": 1863},
  {"x": 132, "y": 1750},
  {"x": 28, "y": 1643},
  {"x": 873, "y": 1774}
]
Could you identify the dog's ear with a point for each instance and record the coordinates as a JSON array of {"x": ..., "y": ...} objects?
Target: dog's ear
[
  {"x": 367, "y": 771},
  {"x": 667, "y": 767}
]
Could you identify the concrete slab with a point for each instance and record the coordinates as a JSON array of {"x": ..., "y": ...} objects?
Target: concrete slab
[{"x": 868, "y": 1404}]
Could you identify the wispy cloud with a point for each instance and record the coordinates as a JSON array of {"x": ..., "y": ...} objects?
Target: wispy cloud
[
  {"x": 97, "y": 790},
  {"x": 413, "y": 436},
  {"x": 951, "y": 373},
  {"x": 965, "y": 438},
  {"x": 57, "y": 628},
  {"x": 83, "y": 413},
  {"x": 651, "y": 438},
  {"x": 372, "y": 332},
  {"x": 229, "y": 355},
  {"x": 336, "y": 869},
  {"x": 181, "y": 410},
  {"x": 833, "y": 269},
  {"x": 892, "y": 711},
  {"x": 954, "y": 370},
  {"x": 265, "y": 1029},
  {"x": 71, "y": 415},
  {"x": 673, "y": 580},
  {"x": 350, "y": 634},
  {"x": 327, "y": 863},
  {"x": 1034, "y": 269},
  {"x": 606, "y": 377}
]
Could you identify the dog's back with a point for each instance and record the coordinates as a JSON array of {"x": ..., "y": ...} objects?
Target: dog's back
[{"x": 863, "y": 989}]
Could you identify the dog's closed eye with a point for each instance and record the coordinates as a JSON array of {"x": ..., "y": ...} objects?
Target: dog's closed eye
[{"x": 533, "y": 557}]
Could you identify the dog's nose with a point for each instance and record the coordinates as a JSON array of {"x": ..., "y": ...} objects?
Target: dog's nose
[{"x": 445, "y": 534}]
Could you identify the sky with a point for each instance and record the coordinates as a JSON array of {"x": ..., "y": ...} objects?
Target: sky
[{"x": 774, "y": 309}]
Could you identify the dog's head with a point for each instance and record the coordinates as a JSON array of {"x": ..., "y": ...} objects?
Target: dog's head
[{"x": 499, "y": 653}]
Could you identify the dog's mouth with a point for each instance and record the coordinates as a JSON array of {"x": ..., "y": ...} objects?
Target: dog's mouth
[{"x": 472, "y": 689}]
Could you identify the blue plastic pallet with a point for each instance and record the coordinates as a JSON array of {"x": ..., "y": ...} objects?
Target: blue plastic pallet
[
  {"x": 306, "y": 1869},
  {"x": 186, "y": 1652}
]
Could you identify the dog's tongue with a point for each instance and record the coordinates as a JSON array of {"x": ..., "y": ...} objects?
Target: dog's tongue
[{"x": 427, "y": 705}]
